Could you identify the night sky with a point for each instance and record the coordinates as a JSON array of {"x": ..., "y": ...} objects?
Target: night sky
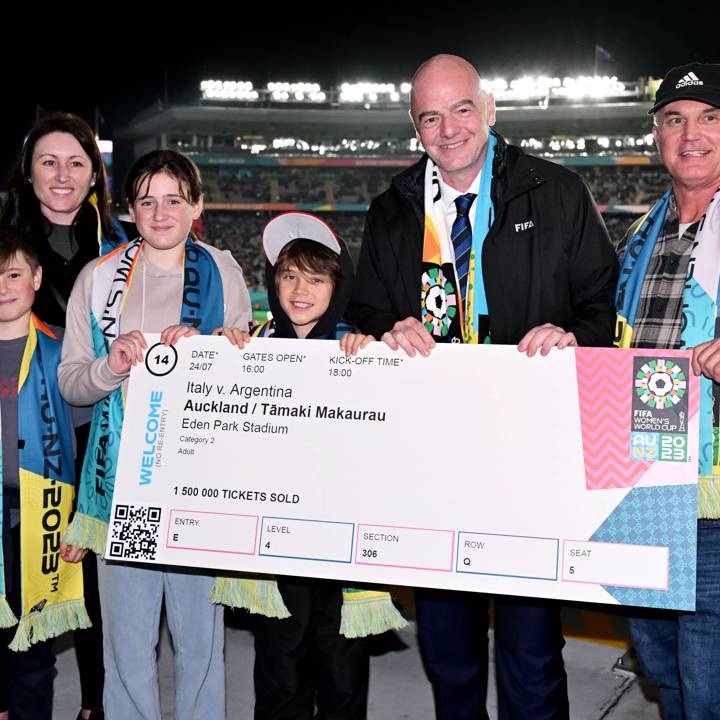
[{"x": 131, "y": 60}]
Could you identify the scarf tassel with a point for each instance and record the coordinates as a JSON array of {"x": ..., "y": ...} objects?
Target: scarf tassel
[
  {"x": 7, "y": 616},
  {"x": 368, "y": 613},
  {"x": 87, "y": 532},
  {"x": 257, "y": 596},
  {"x": 364, "y": 612},
  {"x": 708, "y": 497},
  {"x": 51, "y": 622}
]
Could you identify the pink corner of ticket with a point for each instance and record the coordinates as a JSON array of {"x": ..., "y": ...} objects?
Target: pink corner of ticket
[{"x": 604, "y": 380}]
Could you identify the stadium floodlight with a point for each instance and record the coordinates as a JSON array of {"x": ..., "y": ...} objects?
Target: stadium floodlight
[
  {"x": 369, "y": 93},
  {"x": 545, "y": 86},
  {"x": 590, "y": 86},
  {"x": 524, "y": 86},
  {"x": 498, "y": 85},
  {"x": 228, "y": 90},
  {"x": 532, "y": 143},
  {"x": 537, "y": 90},
  {"x": 282, "y": 143},
  {"x": 296, "y": 91}
]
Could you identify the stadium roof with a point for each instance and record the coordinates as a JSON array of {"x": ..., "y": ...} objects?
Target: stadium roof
[{"x": 310, "y": 122}]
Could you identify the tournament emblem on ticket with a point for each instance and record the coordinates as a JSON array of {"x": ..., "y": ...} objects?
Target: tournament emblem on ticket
[{"x": 659, "y": 409}]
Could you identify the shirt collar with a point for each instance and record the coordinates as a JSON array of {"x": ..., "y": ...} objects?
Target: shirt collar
[{"x": 449, "y": 194}]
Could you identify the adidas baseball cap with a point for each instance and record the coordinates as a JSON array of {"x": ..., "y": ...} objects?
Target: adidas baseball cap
[
  {"x": 696, "y": 81},
  {"x": 293, "y": 226}
]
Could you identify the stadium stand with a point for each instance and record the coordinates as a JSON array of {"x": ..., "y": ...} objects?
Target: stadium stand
[
  {"x": 331, "y": 151},
  {"x": 610, "y": 185}
]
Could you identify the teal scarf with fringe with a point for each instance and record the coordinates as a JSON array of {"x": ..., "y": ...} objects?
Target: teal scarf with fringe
[
  {"x": 51, "y": 590},
  {"x": 202, "y": 307},
  {"x": 364, "y": 612}
]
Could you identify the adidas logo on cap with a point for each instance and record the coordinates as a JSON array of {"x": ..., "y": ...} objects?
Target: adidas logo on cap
[
  {"x": 690, "y": 79},
  {"x": 684, "y": 83}
]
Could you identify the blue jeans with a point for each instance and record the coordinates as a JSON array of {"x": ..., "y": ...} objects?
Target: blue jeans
[
  {"x": 680, "y": 652},
  {"x": 131, "y": 598}
]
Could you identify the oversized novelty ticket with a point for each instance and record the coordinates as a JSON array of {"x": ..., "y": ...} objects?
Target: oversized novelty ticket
[{"x": 569, "y": 476}]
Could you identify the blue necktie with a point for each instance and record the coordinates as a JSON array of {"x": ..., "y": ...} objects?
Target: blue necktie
[{"x": 461, "y": 235}]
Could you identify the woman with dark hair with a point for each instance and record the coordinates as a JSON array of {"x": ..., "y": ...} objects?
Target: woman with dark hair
[{"x": 58, "y": 197}]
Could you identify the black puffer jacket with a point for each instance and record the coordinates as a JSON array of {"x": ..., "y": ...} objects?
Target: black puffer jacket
[{"x": 547, "y": 257}]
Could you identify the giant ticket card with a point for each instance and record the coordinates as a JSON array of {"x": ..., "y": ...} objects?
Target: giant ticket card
[{"x": 569, "y": 476}]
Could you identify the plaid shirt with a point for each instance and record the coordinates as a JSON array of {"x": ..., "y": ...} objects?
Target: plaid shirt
[{"x": 659, "y": 318}]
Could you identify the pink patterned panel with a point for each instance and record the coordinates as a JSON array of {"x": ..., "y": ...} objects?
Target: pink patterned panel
[{"x": 605, "y": 386}]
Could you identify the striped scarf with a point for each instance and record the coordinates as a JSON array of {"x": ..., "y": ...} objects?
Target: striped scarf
[
  {"x": 202, "y": 307},
  {"x": 51, "y": 590},
  {"x": 699, "y": 325}
]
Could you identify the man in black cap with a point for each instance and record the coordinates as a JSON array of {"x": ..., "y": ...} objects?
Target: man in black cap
[{"x": 668, "y": 298}]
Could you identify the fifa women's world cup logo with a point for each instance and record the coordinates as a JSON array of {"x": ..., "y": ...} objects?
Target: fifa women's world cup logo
[
  {"x": 659, "y": 409},
  {"x": 660, "y": 383},
  {"x": 438, "y": 302}
]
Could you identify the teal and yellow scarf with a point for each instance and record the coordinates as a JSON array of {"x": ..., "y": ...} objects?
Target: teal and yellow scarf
[
  {"x": 364, "y": 612},
  {"x": 202, "y": 307},
  {"x": 51, "y": 590}
]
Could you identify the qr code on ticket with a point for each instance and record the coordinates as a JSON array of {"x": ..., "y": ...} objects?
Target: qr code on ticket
[{"x": 134, "y": 532}]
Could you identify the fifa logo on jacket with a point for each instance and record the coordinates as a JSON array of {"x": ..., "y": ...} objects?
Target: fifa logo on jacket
[{"x": 519, "y": 227}]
